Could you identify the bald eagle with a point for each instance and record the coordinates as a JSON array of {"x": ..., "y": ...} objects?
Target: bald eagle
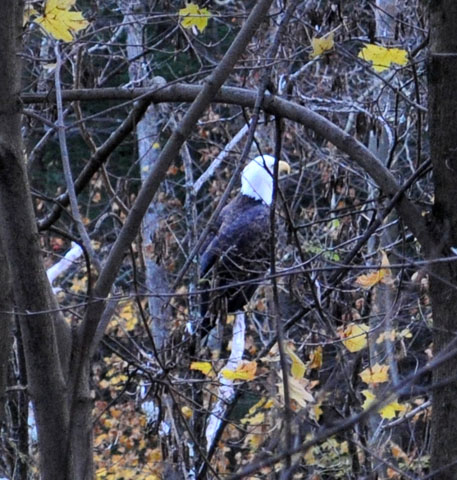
[{"x": 238, "y": 250}]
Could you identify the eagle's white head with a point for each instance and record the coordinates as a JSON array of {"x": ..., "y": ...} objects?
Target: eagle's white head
[{"x": 257, "y": 177}]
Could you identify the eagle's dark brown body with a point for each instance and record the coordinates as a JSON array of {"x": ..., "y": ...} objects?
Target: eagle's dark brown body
[{"x": 238, "y": 253}]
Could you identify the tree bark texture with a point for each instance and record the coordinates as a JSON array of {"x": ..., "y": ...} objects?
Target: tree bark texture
[
  {"x": 6, "y": 323},
  {"x": 443, "y": 281},
  {"x": 147, "y": 133},
  {"x": 19, "y": 235}
]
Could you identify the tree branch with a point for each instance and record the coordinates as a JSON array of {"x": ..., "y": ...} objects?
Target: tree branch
[{"x": 246, "y": 98}]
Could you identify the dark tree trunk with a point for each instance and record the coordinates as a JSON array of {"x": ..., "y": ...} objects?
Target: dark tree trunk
[
  {"x": 6, "y": 323},
  {"x": 43, "y": 333},
  {"x": 443, "y": 281}
]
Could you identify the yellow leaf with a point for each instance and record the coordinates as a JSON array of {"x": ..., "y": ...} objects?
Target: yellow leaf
[
  {"x": 375, "y": 374},
  {"x": 194, "y": 16},
  {"x": 315, "y": 358},
  {"x": 79, "y": 285},
  {"x": 382, "y": 57},
  {"x": 154, "y": 456},
  {"x": 262, "y": 403},
  {"x": 370, "y": 397},
  {"x": 406, "y": 333},
  {"x": 322, "y": 45},
  {"x": 255, "y": 441},
  {"x": 298, "y": 367},
  {"x": 187, "y": 412},
  {"x": 205, "y": 367},
  {"x": 246, "y": 371},
  {"x": 370, "y": 279},
  {"x": 256, "y": 419},
  {"x": 390, "y": 336},
  {"x": 387, "y": 279},
  {"x": 390, "y": 410},
  {"x": 317, "y": 412},
  {"x": 59, "y": 21},
  {"x": 298, "y": 391},
  {"x": 118, "y": 379},
  {"x": 128, "y": 313},
  {"x": 355, "y": 336}
]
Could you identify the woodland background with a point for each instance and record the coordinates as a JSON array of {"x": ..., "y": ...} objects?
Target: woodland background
[{"x": 117, "y": 145}]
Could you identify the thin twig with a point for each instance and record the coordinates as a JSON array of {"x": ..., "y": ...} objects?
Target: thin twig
[{"x": 66, "y": 165}]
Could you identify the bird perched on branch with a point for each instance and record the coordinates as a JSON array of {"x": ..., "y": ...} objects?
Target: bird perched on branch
[{"x": 237, "y": 252}]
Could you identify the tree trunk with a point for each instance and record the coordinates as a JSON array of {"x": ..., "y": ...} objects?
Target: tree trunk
[
  {"x": 6, "y": 323},
  {"x": 20, "y": 240},
  {"x": 443, "y": 281},
  {"x": 147, "y": 132}
]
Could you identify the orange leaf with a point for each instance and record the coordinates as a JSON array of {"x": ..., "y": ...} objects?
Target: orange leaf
[
  {"x": 370, "y": 279},
  {"x": 246, "y": 371}
]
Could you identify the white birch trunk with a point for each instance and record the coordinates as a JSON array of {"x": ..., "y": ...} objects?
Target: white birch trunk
[{"x": 147, "y": 132}]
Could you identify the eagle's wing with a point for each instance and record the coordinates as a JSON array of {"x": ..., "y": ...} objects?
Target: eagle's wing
[
  {"x": 209, "y": 248},
  {"x": 238, "y": 252},
  {"x": 242, "y": 234}
]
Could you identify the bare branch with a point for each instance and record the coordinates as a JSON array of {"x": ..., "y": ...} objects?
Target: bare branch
[{"x": 276, "y": 106}]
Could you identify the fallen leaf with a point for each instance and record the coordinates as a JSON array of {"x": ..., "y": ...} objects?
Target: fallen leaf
[
  {"x": 382, "y": 58},
  {"x": 59, "y": 21}
]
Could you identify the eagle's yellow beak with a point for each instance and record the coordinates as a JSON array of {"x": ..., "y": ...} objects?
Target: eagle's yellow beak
[{"x": 283, "y": 167}]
